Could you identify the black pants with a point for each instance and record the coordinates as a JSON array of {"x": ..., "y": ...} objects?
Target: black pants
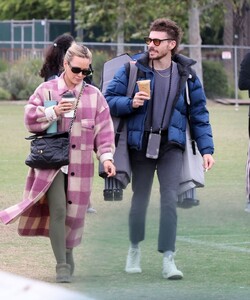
[{"x": 168, "y": 167}]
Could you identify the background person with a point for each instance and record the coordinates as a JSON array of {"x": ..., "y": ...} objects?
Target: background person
[
  {"x": 162, "y": 119},
  {"x": 55, "y": 201},
  {"x": 53, "y": 61},
  {"x": 244, "y": 84}
]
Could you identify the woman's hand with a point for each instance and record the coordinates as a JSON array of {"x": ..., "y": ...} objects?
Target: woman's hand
[
  {"x": 63, "y": 107},
  {"x": 109, "y": 168}
]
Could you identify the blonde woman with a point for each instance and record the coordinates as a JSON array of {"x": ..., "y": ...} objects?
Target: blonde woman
[{"x": 55, "y": 201}]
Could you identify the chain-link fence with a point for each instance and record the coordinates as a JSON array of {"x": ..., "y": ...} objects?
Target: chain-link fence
[{"x": 225, "y": 59}]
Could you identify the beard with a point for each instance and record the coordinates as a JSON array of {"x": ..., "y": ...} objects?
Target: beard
[{"x": 155, "y": 55}]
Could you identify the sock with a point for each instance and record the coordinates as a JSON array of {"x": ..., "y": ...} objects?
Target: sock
[
  {"x": 168, "y": 253},
  {"x": 134, "y": 246}
]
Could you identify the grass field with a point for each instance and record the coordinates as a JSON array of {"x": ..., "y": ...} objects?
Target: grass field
[{"x": 213, "y": 240}]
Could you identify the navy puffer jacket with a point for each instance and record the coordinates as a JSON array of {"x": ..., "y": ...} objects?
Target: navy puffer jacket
[{"x": 121, "y": 106}]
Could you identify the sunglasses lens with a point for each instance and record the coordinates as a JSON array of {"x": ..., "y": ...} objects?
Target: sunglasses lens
[
  {"x": 86, "y": 72},
  {"x": 156, "y": 42},
  {"x": 76, "y": 70},
  {"x": 147, "y": 40}
]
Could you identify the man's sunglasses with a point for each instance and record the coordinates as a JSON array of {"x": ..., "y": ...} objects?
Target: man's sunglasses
[
  {"x": 77, "y": 70},
  {"x": 156, "y": 42}
]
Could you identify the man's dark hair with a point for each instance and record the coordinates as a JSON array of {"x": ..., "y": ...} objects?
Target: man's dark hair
[{"x": 171, "y": 28}]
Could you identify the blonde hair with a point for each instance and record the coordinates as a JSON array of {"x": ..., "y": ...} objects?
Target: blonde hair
[{"x": 79, "y": 50}]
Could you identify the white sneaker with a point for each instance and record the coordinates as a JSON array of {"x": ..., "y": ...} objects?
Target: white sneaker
[
  {"x": 133, "y": 260},
  {"x": 91, "y": 210},
  {"x": 169, "y": 269},
  {"x": 247, "y": 209}
]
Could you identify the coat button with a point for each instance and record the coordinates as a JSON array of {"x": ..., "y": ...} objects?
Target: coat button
[
  {"x": 72, "y": 173},
  {"x": 69, "y": 202},
  {"x": 73, "y": 146}
]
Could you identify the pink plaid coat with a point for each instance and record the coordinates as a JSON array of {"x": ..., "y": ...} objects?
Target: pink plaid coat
[{"x": 92, "y": 131}]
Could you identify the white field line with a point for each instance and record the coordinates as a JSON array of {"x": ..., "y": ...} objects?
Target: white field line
[{"x": 221, "y": 246}]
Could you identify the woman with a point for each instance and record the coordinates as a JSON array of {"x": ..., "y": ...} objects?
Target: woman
[
  {"x": 53, "y": 61},
  {"x": 55, "y": 201}
]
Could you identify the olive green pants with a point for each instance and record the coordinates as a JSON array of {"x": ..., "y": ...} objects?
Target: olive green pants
[{"x": 57, "y": 208}]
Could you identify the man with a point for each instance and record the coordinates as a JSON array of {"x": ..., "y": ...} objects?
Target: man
[
  {"x": 162, "y": 119},
  {"x": 244, "y": 84}
]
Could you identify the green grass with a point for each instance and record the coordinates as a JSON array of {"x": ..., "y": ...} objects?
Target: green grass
[{"x": 213, "y": 239}]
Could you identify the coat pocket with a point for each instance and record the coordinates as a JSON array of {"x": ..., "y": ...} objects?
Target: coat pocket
[{"x": 87, "y": 134}]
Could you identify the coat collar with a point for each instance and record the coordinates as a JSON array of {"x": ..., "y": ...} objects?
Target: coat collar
[
  {"x": 62, "y": 87},
  {"x": 184, "y": 63}
]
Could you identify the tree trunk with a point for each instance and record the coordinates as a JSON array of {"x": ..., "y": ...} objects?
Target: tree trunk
[
  {"x": 194, "y": 37},
  {"x": 120, "y": 27},
  {"x": 228, "y": 35}
]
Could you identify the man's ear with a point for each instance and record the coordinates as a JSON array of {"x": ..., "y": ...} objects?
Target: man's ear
[{"x": 172, "y": 44}]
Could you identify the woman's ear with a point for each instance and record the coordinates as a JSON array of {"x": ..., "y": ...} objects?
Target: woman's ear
[{"x": 65, "y": 63}]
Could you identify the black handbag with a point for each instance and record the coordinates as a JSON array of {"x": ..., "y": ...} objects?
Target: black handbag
[{"x": 50, "y": 151}]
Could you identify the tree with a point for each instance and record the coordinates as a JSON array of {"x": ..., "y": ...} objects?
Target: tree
[
  {"x": 195, "y": 10},
  {"x": 236, "y": 27},
  {"x": 34, "y": 9}
]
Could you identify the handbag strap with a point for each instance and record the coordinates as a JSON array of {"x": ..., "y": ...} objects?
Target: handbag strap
[{"x": 75, "y": 109}]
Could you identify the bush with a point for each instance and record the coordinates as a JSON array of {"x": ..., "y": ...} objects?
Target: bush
[
  {"x": 99, "y": 58},
  {"x": 4, "y": 95},
  {"x": 215, "y": 80},
  {"x": 3, "y": 65},
  {"x": 21, "y": 79}
]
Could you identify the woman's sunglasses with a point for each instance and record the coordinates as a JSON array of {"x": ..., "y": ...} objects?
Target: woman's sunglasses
[
  {"x": 156, "y": 42},
  {"x": 77, "y": 70}
]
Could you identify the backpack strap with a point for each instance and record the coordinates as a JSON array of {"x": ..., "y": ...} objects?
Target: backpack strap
[
  {"x": 188, "y": 101},
  {"x": 131, "y": 85},
  {"x": 132, "y": 78}
]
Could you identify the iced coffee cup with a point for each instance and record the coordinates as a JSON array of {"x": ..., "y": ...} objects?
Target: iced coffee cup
[
  {"x": 69, "y": 97},
  {"x": 53, "y": 127},
  {"x": 144, "y": 86}
]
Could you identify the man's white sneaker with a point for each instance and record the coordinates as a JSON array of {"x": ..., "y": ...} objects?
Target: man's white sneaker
[
  {"x": 169, "y": 269},
  {"x": 133, "y": 261}
]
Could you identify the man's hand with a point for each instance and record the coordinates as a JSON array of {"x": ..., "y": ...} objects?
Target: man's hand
[
  {"x": 208, "y": 161},
  {"x": 139, "y": 99}
]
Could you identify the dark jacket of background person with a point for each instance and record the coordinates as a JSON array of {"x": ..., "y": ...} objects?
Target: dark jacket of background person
[{"x": 244, "y": 74}]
